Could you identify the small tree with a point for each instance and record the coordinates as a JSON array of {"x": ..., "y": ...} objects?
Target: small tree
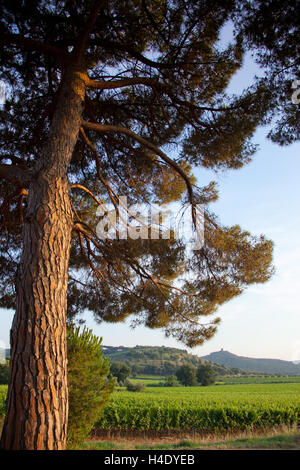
[
  {"x": 206, "y": 375},
  {"x": 90, "y": 384},
  {"x": 137, "y": 387},
  {"x": 187, "y": 375},
  {"x": 120, "y": 370},
  {"x": 171, "y": 381}
]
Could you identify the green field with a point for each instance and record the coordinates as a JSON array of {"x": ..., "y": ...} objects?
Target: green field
[
  {"x": 147, "y": 379},
  {"x": 218, "y": 408},
  {"x": 3, "y": 392},
  {"x": 227, "y": 380},
  {"x": 214, "y": 408},
  {"x": 260, "y": 379}
]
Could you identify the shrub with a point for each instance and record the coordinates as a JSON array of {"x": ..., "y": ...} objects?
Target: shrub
[
  {"x": 171, "y": 381},
  {"x": 131, "y": 387},
  {"x": 206, "y": 375},
  {"x": 90, "y": 384},
  {"x": 3, "y": 394},
  {"x": 4, "y": 373}
]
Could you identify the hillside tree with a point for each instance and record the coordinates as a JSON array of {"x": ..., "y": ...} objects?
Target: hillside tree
[
  {"x": 206, "y": 374},
  {"x": 120, "y": 370},
  {"x": 104, "y": 99},
  {"x": 187, "y": 375}
]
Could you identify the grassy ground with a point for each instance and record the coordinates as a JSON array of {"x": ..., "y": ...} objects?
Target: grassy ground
[
  {"x": 228, "y": 380},
  {"x": 259, "y": 380},
  {"x": 147, "y": 379},
  {"x": 281, "y": 441}
]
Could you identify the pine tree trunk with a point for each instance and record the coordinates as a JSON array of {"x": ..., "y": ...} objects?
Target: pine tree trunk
[{"x": 37, "y": 403}]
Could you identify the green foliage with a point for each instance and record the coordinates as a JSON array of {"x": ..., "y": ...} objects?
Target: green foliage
[
  {"x": 206, "y": 375},
  {"x": 120, "y": 370},
  {"x": 159, "y": 360},
  {"x": 4, "y": 373},
  {"x": 134, "y": 387},
  {"x": 90, "y": 384},
  {"x": 214, "y": 409},
  {"x": 179, "y": 102},
  {"x": 171, "y": 381},
  {"x": 271, "y": 30},
  {"x": 3, "y": 393},
  {"x": 187, "y": 375},
  {"x": 260, "y": 379}
]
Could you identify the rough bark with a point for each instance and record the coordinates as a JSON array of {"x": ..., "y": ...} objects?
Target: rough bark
[{"x": 37, "y": 403}]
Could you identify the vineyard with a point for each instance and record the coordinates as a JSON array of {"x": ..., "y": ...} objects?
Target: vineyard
[
  {"x": 3, "y": 391},
  {"x": 213, "y": 409},
  {"x": 260, "y": 380},
  {"x": 217, "y": 408}
]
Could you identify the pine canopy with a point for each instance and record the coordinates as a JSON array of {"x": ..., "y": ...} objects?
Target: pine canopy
[{"x": 155, "y": 108}]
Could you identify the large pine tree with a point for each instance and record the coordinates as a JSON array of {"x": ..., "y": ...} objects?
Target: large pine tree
[{"x": 110, "y": 98}]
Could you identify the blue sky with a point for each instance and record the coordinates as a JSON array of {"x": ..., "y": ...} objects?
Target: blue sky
[{"x": 263, "y": 197}]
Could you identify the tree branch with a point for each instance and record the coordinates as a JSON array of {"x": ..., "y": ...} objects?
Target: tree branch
[
  {"x": 80, "y": 186},
  {"x": 125, "y": 48},
  {"x": 83, "y": 38},
  {"x": 109, "y": 85},
  {"x": 137, "y": 268},
  {"x": 116, "y": 46},
  {"x": 153, "y": 23},
  {"x": 15, "y": 175},
  {"x": 105, "y": 128},
  {"x": 15, "y": 161},
  {"x": 20, "y": 193},
  {"x": 100, "y": 176},
  {"x": 125, "y": 82},
  {"x": 35, "y": 45}
]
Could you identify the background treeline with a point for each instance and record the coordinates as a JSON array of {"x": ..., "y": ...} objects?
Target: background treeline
[{"x": 163, "y": 361}]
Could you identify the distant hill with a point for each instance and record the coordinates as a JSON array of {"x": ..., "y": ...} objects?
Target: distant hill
[
  {"x": 267, "y": 366},
  {"x": 159, "y": 360}
]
